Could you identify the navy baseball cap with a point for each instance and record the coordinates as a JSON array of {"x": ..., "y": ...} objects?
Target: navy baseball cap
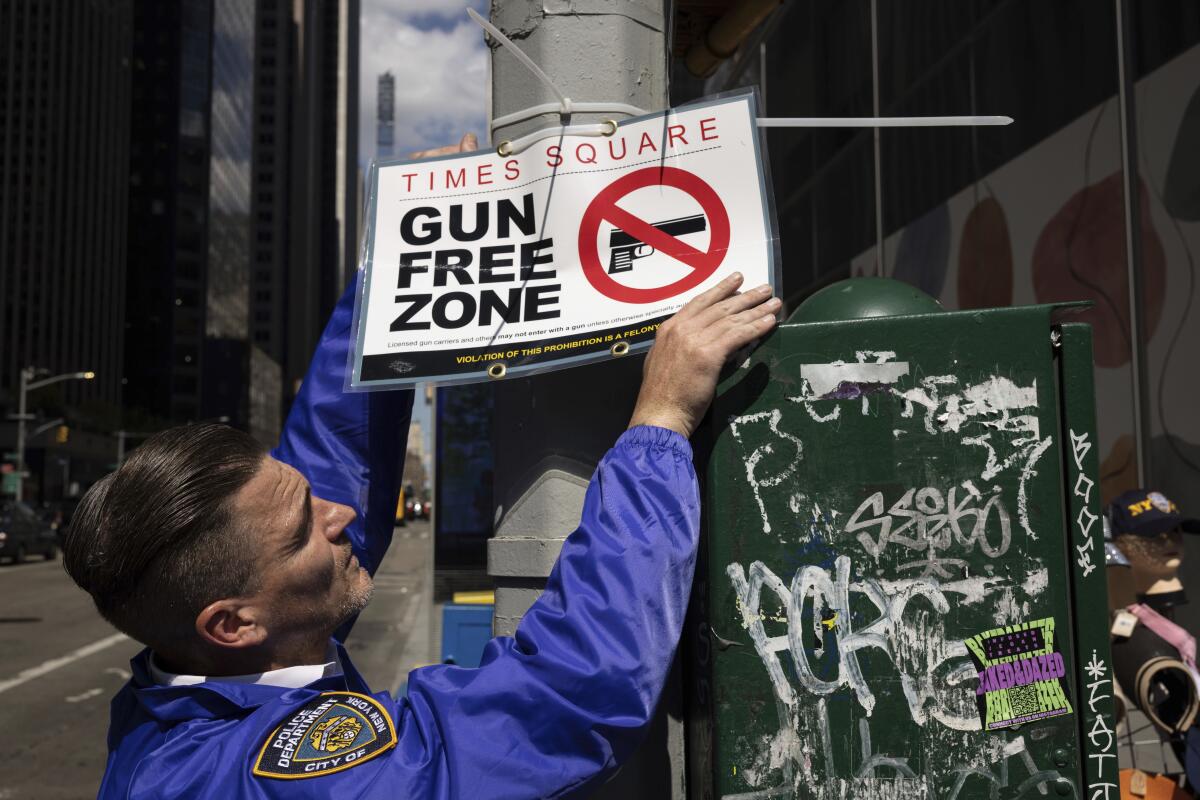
[{"x": 1143, "y": 512}]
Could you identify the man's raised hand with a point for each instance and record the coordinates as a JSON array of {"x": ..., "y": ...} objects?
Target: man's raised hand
[
  {"x": 681, "y": 369},
  {"x": 465, "y": 145}
]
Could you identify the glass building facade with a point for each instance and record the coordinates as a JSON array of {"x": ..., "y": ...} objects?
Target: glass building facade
[
  {"x": 64, "y": 182},
  {"x": 226, "y": 375}
]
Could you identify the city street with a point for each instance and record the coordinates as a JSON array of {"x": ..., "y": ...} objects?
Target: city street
[{"x": 60, "y": 664}]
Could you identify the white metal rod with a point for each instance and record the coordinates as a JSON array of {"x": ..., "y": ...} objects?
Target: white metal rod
[{"x": 879, "y": 122}]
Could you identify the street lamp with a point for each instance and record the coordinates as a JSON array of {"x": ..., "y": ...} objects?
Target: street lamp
[{"x": 28, "y": 384}]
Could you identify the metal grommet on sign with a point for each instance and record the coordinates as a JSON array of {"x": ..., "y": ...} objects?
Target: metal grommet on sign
[
  {"x": 504, "y": 148},
  {"x": 497, "y": 370},
  {"x": 612, "y": 126},
  {"x": 619, "y": 349}
]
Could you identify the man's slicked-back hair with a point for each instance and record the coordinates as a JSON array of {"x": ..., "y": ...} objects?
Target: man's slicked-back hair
[{"x": 155, "y": 542}]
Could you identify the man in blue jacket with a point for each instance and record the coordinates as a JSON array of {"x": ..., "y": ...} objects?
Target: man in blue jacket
[{"x": 239, "y": 570}]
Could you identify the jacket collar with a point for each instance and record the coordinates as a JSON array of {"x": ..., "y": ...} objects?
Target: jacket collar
[{"x": 215, "y": 699}]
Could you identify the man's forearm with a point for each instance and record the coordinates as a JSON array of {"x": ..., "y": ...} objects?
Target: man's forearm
[
  {"x": 579, "y": 683},
  {"x": 349, "y": 445}
]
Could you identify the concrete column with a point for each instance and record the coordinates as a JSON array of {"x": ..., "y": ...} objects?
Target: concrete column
[{"x": 552, "y": 430}]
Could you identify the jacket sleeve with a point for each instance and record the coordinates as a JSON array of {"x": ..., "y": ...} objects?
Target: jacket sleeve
[
  {"x": 349, "y": 445},
  {"x": 552, "y": 711}
]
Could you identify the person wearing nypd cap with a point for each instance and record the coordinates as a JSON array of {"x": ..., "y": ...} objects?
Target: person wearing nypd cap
[
  {"x": 241, "y": 570},
  {"x": 1154, "y": 657}
]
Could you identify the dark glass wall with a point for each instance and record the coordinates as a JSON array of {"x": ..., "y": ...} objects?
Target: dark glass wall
[
  {"x": 1035, "y": 212},
  {"x": 64, "y": 150},
  {"x": 1166, "y": 54},
  {"x": 168, "y": 212},
  {"x": 1092, "y": 193}
]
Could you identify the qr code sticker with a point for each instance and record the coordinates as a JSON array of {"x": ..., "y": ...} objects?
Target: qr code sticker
[{"x": 1024, "y": 700}]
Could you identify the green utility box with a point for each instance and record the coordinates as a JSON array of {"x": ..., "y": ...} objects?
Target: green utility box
[{"x": 902, "y": 589}]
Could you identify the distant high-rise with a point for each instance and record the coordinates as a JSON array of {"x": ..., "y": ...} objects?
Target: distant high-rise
[
  {"x": 385, "y": 114},
  {"x": 64, "y": 151}
]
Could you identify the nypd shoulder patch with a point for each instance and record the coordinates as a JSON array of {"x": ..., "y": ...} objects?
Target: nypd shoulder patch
[{"x": 332, "y": 732}]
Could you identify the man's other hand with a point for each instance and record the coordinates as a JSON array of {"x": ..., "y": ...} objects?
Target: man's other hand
[
  {"x": 465, "y": 145},
  {"x": 681, "y": 369}
]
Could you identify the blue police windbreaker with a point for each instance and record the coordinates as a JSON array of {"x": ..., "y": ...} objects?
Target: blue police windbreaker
[{"x": 549, "y": 713}]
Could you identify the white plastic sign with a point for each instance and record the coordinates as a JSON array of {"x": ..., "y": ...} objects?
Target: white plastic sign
[{"x": 480, "y": 265}]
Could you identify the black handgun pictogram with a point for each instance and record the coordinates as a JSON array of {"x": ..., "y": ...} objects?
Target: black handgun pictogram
[{"x": 627, "y": 248}]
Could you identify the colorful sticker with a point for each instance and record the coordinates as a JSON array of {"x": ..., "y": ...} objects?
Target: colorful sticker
[
  {"x": 1021, "y": 674},
  {"x": 332, "y": 732}
]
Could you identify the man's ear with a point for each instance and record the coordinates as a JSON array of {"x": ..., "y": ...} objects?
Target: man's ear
[{"x": 230, "y": 623}]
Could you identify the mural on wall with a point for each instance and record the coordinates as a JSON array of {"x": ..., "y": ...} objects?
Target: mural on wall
[
  {"x": 1066, "y": 241},
  {"x": 1080, "y": 255},
  {"x": 1181, "y": 193},
  {"x": 985, "y": 261},
  {"x": 1180, "y": 199},
  {"x": 924, "y": 252}
]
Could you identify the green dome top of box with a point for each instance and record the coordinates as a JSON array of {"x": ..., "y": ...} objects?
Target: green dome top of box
[{"x": 859, "y": 298}]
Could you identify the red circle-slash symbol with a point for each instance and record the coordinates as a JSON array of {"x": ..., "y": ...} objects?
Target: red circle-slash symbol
[{"x": 604, "y": 207}]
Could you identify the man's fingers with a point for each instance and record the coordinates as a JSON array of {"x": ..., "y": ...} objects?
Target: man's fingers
[
  {"x": 767, "y": 308},
  {"x": 731, "y": 306},
  {"x": 436, "y": 151},
  {"x": 465, "y": 145},
  {"x": 714, "y": 295},
  {"x": 738, "y": 336}
]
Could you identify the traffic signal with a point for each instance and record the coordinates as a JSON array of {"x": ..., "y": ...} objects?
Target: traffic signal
[{"x": 61, "y": 434}]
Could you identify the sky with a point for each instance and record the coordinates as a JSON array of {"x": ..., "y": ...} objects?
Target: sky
[{"x": 440, "y": 62}]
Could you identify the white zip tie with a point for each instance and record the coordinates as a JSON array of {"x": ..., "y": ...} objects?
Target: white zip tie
[
  {"x": 564, "y": 107},
  {"x": 510, "y": 148},
  {"x": 581, "y": 108},
  {"x": 878, "y": 122}
]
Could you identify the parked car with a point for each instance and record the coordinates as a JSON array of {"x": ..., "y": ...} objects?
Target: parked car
[{"x": 23, "y": 533}]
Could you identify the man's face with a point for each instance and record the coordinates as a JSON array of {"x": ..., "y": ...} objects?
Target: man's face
[{"x": 309, "y": 580}]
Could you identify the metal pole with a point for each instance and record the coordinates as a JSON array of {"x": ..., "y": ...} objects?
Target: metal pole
[
  {"x": 120, "y": 448},
  {"x": 26, "y": 374},
  {"x": 1131, "y": 185},
  {"x": 880, "y": 267},
  {"x": 615, "y": 53}
]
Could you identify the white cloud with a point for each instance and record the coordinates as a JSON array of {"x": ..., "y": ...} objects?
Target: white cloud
[{"x": 441, "y": 73}]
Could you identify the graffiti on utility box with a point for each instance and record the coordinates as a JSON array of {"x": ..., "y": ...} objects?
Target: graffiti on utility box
[{"x": 889, "y": 591}]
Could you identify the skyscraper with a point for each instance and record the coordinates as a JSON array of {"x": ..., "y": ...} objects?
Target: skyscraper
[
  {"x": 64, "y": 150},
  {"x": 64, "y": 153},
  {"x": 323, "y": 180},
  {"x": 385, "y": 111},
  {"x": 168, "y": 211},
  {"x": 242, "y": 190}
]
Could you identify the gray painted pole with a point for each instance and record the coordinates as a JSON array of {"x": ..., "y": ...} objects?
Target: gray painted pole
[{"x": 553, "y": 429}]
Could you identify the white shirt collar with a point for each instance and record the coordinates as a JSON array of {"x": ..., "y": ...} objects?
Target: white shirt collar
[{"x": 287, "y": 677}]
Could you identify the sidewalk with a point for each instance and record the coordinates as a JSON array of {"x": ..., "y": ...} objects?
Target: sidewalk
[{"x": 401, "y": 628}]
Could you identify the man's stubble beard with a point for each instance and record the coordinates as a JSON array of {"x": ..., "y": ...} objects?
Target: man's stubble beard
[{"x": 358, "y": 597}]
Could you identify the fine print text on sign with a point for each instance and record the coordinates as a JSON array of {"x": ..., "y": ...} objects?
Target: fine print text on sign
[{"x": 550, "y": 257}]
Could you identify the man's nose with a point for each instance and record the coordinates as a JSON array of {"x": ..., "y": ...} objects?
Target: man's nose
[{"x": 334, "y": 518}]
